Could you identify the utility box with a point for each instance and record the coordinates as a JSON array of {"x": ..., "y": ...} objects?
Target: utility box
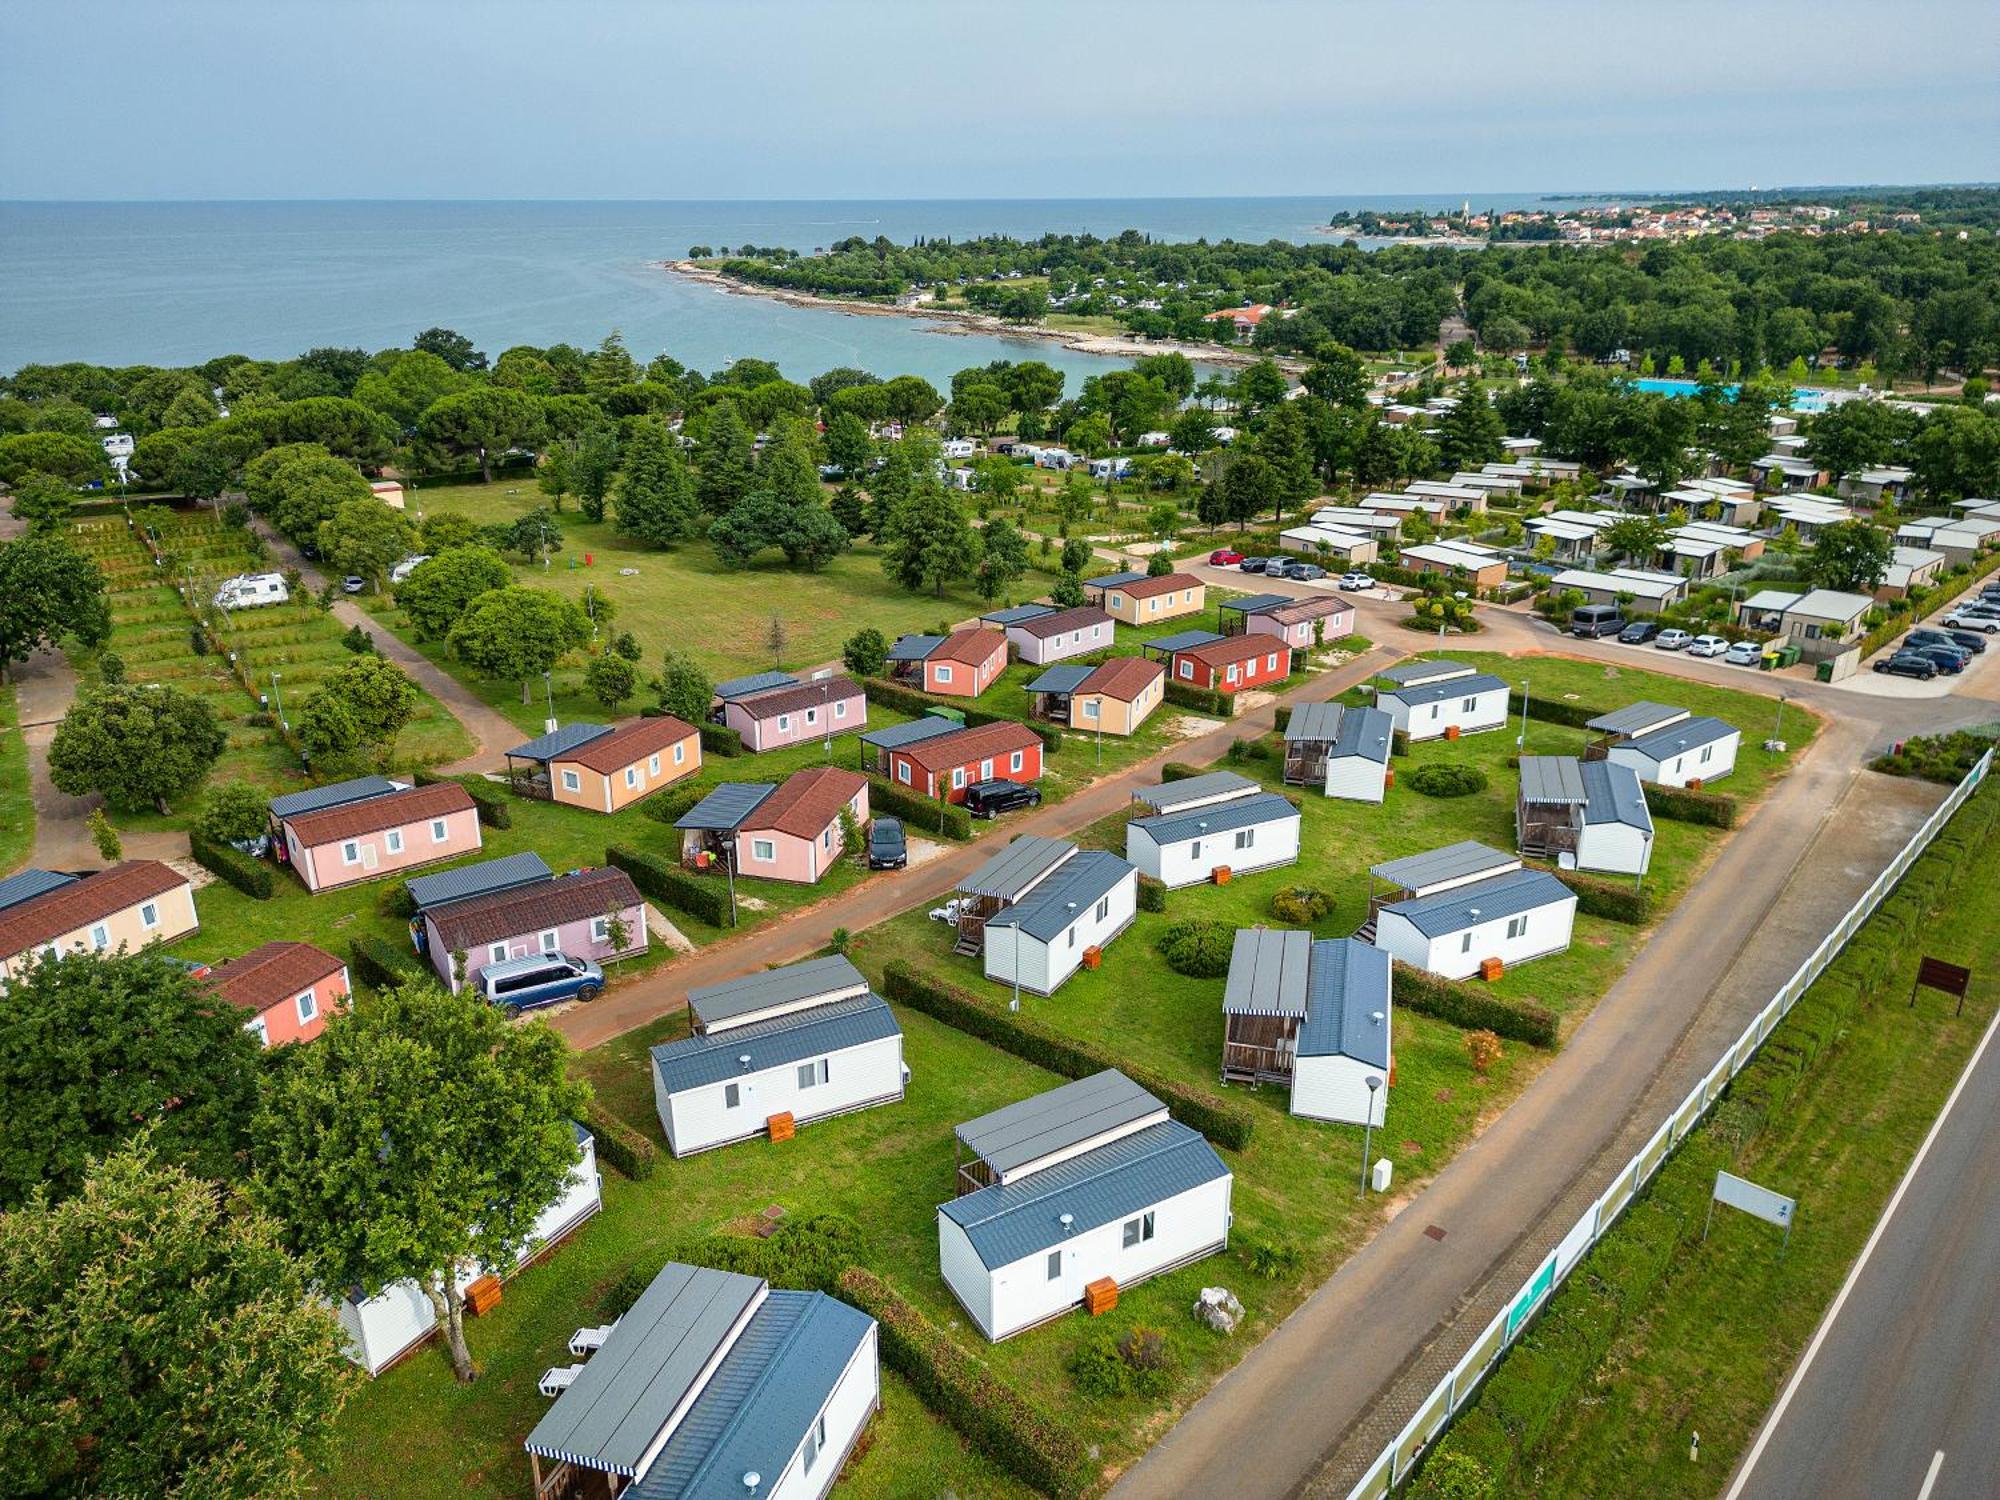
[{"x": 1382, "y": 1174}]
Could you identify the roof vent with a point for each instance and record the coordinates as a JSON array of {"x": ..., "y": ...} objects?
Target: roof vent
[
  {"x": 751, "y": 1480},
  {"x": 1376, "y": 1016},
  {"x": 743, "y": 1061},
  {"x": 1067, "y": 1221},
  {"x": 1470, "y": 911}
]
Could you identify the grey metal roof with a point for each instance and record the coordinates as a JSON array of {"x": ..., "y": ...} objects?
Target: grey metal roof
[
  {"x": 832, "y": 976},
  {"x": 1170, "y": 796},
  {"x": 1468, "y": 905},
  {"x": 1185, "y": 641},
  {"x": 480, "y": 879},
  {"x": 1554, "y": 779},
  {"x": 1349, "y": 989},
  {"x": 561, "y": 741},
  {"x": 1014, "y": 616},
  {"x": 817, "y": 1031},
  {"x": 1364, "y": 732},
  {"x": 653, "y": 1359},
  {"x": 1613, "y": 794},
  {"x": 1029, "y": 1129},
  {"x": 29, "y": 884},
  {"x": 1112, "y": 580},
  {"x": 1687, "y": 734},
  {"x": 756, "y": 682},
  {"x": 1410, "y": 673},
  {"x": 1453, "y": 862},
  {"x": 1251, "y": 604},
  {"x": 727, "y": 806},
  {"x": 895, "y": 736},
  {"x": 1012, "y": 1220},
  {"x": 1045, "y": 912},
  {"x": 753, "y": 1412},
  {"x": 914, "y": 647},
  {"x": 1017, "y": 867},
  {"x": 1315, "y": 721},
  {"x": 1636, "y": 718},
  {"x": 1221, "y": 817},
  {"x": 1060, "y": 679},
  {"x": 337, "y": 794},
  {"x": 1437, "y": 692},
  {"x": 1267, "y": 972}
]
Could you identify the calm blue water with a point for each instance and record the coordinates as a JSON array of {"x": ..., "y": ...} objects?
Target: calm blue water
[
  {"x": 176, "y": 283},
  {"x": 1803, "y": 398}
]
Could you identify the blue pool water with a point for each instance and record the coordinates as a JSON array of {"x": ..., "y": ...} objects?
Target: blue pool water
[{"x": 1803, "y": 398}]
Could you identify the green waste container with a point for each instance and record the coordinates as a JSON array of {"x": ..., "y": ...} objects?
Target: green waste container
[
  {"x": 1788, "y": 656},
  {"x": 1823, "y": 672}
]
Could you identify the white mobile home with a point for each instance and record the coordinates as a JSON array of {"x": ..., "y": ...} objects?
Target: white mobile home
[
  {"x": 713, "y": 1383},
  {"x": 1314, "y": 1015},
  {"x": 1191, "y": 792},
  {"x": 776, "y": 1050},
  {"x": 1584, "y": 815},
  {"x": 1081, "y": 1192},
  {"x": 382, "y": 1329},
  {"x": 1253, "y": 832},
  {"x": 1042, "y": 939},
  {"x": 1446, "y": 703},
  {"x": 1688, "y": 752},
  {"x": 1343, "y": 751},
  {"x": 1452, "y": 909}
]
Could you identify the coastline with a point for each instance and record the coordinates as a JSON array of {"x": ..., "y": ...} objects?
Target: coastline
[{"x": 958, "y": 322}]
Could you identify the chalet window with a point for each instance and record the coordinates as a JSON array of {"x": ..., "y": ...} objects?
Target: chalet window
[
  {"x": 732, "y": 1095},
  {"x": 439, "y": 830},
  {"x": 1138, "y": 1230},
  {"x": 986, "y": 770},
  {"x": 653, "y": 765},
  {"x": 1271, "y": 662},
  {"x": 1468, "y": 705},
  {"x": 100, "y": 937},
  {"x": 350, "y": 853},
  {"x": 1072, "y": 937},
  {"x": 1187, "y": 669},
  {"x": 1089, "y": 712},
  {"x": 1117, "y": 600},
  {"x": 497, "y": 953},
  {"x": 256, "y": 1029},
  {"x": 1245, "y": 837},
  {"x": 812, "y": 1074},
  {"x": 1231, "y": 674},
  {"x": 943, "y": 672},
  {"x": 1104, "y": 908},
  {"x": 394, "y": 839},
  {"x": 1707, "y": 751},
  {"x": 600, "y": 929},
  {"x": 903, "y": 772},
  {"x": 149, "y": 915},
  {"x": 815, "y": 1441},
  {"x": 1014, "y": 764},
  {"x": 631, "y": 776},
  {"x": 680, "y": 751},
  {"x": 550, "y": 941},
  {"x": 1055, "y": 1265},
  {"x": 308, "y": 1007},
  {"x": 1194, "y": 849},
  {"x": 1465, "y": 943},
  {"x": 1436, "y": 709},
  {"x": 763, "y": 850},
  {"x": 957, "y": 777},
  {"x": 572, "y": 782},
  {"x": 812, "y": 716},
  {"x": 840, "y": 709},
  {"x": 784, "y": 721},
  {"x": 1517, "y": 927},
  {"x": 826, "y": 838}
]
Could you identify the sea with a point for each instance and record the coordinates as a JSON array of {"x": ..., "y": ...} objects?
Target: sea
[{"x": 176, "y": 283}]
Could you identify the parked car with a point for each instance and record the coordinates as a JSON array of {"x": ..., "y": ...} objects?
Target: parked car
[
  {"x": 1594, "y": 620},
  {"x": 1920, "y": 639},
  {"x": 1976, "y": 644},
  {"x": 1972, "y": 617},
  {"x": 353, "y": 583},
  {"x": 1223, "y": 557},
  {"x": 541, "y": 979},
  {"x": 1944, "y": 658},
  {"x": 887, "y": 848},
  {"x": 1299, "y": 572},
  {"x": 985, "y": 799},
  {"x": 1908, "y": 664},
  {"x": 1638, "y": 632},
  {"x": 1255, "y": 564},
  {"x": 1356, "y": 581},
  {"x": 1708, "y": 645},
  {"x": 407, "y": 566},
  {"x": 1742, "y": 654},
  {"x": 1674, "y": 640}
]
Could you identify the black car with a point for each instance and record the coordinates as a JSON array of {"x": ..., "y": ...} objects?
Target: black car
[
  {"x": 1935, "y": 640},
  {"x": 1254, "y": 564},
  {"x": 1908, "y": 664},
  {"x": 1972, "y": 640},
  {"x": 1639, "y": 632},
  {"x": 984, "y": 799},
  {"x": 1944, "y": 658},
  {"x": 887, "y": 849}
]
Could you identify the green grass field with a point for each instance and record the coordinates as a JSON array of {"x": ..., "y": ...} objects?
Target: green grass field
[{"x": 17, "y": 822}]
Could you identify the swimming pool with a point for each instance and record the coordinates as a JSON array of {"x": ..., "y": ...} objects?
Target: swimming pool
[{"x": 1804, "y": 399}]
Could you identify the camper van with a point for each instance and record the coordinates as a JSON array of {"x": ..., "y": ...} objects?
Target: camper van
[
  {"x": 247, "y": 590},
  {"x": 541, "y": 979}
]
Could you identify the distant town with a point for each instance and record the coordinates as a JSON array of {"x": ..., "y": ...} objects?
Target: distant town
[{"x": 1619, "y": 222}]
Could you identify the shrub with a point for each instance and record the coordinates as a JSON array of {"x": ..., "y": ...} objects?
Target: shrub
[
  {"x": 1152, "y": 894},
  {"x": 394, "y": 900},
  {"x": 1943, "y": 758},
  {"x": 947, "y": 818},
  {"x": 379, "y": 963},
  {"x": 1198, "y": 1109},
  {"x": 1462, "y": 1005},
  {"x": 720, "y": 739},
  {"x": 1201, "y": 700},
  {"x": 805, "y": 1253},
  {"x": 490, "y": 801},
  {"x": 624, "y": 1293},
  {"x": 1273, "y": 1260},
  {"x": 1146, "y": 1354},
  {"x": 1199, "y": 947},
  {"x": 618, "y": 1143},
  {"x": 1447, "y": 779},
  {"x": 1301, "y": 905},
  {"x": 250, "y": 876},
  {"x": 1176, "y": 770},
  {"x": 668, "y": 885},
  {"x": 1036, "y": 1446},
  {"x": 1096, "y": 1370},
  {"x": 1608, "y": 899},
  {"x": 1687, "y": 806},
  {"x": 1484, "y": 1050}
]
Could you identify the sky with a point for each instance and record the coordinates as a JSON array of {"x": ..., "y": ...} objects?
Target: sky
[{"x": 815, "y": 99}]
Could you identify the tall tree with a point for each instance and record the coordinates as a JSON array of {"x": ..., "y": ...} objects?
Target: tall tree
[
  {"x": 655, "y": 502},
  {"x": 454, "y": 348},
  {"x": 927, "y": 541},
  {"x": 1286, "y": 445},
  {"x": 1337, "y": 374},
  {"x": 48, "y": 590},
  {"x": 685, "y": 691},
  {"x": 1003, "y": 557},
  {"x": 300, "y": 486},
  {"x": 727, "y": 469},
  {"x": 1852, "y": 556},
  {"x": 439, "y": 589},
  {"x": 1469, "y": 434},
  {"x": 593, "y": 466},
  {"x": 156, "y": 1339},
  {"x": 416, "y": 1136},
  {"x": 45, "y": 502},
  {"x": 142, "y": 747},
  {"x": 379, "y": 694},
  {"x": 483, "y": 422},
  {"x": 518, "y": 632},
  {"x": 367, "y": 538},
  {"x": 1636, "y": 538}
]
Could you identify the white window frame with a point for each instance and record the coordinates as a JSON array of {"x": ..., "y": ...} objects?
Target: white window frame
[
  {"x": 812, "y": 716},
  {"x": 307, "y": 1005},
  {"x": 1246, "y": 838},
  {"x": 957, "y": 777},
  {"x": 1104, "y": 908},
  {"x": 813, "y": 1074},
  {"x": 1089, "y": 712},
  {"x": 255, "y": 1026},
  {"x": 571, "y": 782},
  {"x": 440, "y": 830},
  {"x": 826, "y": 837},
  {"x": 1271, "y": 662},
  {"x": 350, "y": 852},
  {"x": 840, "y": 708},
  {"x": 680, "y": 751},
  {"x": 764, "y": 851},
  {"x": 1517, "y": 927},
  {"x": 943, "y": 671},
  {"x": 600, "y": 929},
  {"x": 393, "y": 840},
  {"x": 1465, "y": 944},
  {"x": 1470, "y": 705},
  {"x": 1187, "y": 670},
  {"x": 986, "y": 770},
  {"x": 496, "y": 953},
  {"x": 631, "y": 778},
  {"x": 815, "y": 1443},
  {"x": 1230, "y": 675},
  {"x": 100, "y": 937},
  {"x": 1017, "y": 761},
  {"x": 653, "y": 764},
  {"x": 903, "y": 772},
  {"x": 149, "y": 914},
  {"x": 549, "y": 940},
  {"x": 784, "y": 721}
]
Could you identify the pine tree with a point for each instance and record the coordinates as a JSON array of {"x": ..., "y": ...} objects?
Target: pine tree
[
  {"x": 655, "y": 501},
  {"x": 726, "y": 467}
]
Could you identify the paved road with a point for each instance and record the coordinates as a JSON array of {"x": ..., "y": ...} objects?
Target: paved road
[{"x": 1898, "y": 1395}]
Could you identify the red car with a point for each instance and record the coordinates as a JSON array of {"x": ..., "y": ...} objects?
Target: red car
[{"x": 1222, "y": 557}]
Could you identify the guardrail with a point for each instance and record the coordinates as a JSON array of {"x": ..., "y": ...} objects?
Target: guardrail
[{"x": 1396, "y": 1461}]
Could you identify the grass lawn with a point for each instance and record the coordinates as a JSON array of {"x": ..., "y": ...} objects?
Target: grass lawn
[{"x": 17, "y": 822}]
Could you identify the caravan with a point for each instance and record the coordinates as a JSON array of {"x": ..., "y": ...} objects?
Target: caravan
[{"x": 248, "y": 590}]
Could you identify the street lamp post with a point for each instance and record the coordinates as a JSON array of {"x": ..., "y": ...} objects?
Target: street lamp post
[
  {"x": 549, "y": 697},
  {"x": 1521, "y": 740},
  {"x": 278, "y": 702},
  {"x": 1374, "y": 1081},
  {"x": 1778, "y": 727}
]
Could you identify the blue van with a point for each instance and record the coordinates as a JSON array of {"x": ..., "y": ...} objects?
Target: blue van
[{"x": 541, "y": 979}]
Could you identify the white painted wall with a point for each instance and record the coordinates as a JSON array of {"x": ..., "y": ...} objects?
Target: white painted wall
[
  {"x": 697, "y": 1119},
  {"x": 1044, "y": 966},
  {"x": 1185, "y": 1227},
  {"x": 1457, "y": 955},
  {"x": 854, "y": 1400},
  {"x": 1706, "y": 764},
  {"x": 1336, "y": 1088},
  {"x": 1190, "y": 861},
  {"x": 1355, "y": 778},
  {"x": 965, "y": 1274},
  {"x": 1428, "y": 721},
  {"x": 1614, "y": 848}
]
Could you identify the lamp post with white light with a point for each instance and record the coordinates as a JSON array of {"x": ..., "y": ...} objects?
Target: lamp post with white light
[{"x": 1374, "y": 1081}]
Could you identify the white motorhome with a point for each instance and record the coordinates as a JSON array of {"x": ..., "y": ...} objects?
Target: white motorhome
[{"x": 250, "y": 590}]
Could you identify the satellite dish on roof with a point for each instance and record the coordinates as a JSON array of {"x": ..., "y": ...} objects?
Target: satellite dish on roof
[
  {"x": 1066, "y": 1220},
  {"x": 743, "y": 1061},
  {"x": 751, "y": 1480}
]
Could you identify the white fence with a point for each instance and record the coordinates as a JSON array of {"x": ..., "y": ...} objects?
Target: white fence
[{"x": 1399, "y": 1458}]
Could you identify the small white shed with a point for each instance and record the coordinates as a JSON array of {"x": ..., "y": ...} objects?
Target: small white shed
[
  {"x": 1433, "y": 699},
  {"x": 1257, "y": 831},
  {"x": 1042, "y": 939},
  {"x": 1690, "y": 752},
  {"x": 1342, "y": 750},
  {"x": 1584, "y": 815}
]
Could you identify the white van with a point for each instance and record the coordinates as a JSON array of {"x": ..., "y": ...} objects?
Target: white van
[
  {"x": 407, "y": 566},
  {"x": 248, "y": 590}
]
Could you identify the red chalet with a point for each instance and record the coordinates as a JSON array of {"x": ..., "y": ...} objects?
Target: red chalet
[
  {"x": 945, "y": 765},
  {"x": 1234, "y": 663}
]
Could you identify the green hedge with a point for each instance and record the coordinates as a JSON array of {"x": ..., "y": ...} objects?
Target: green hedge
[
  {"x": 379, "y": 963},
  {"x": 947, "y": 818},
  {"x": 1201, "y": 700},
  {"x": 1060, "y": 1053},
  {"x": 1179, "y": 770},
  {"x": 618, "y": 1143},
  {"x": 720, "y": 739},
  {"x": 1562, "y": 711},
  {"x": 669, "y": 885},
  {"x": 1035, "y": 1446},
  {"x": 1610, "y": 899},
  {"x": 486, "y": 796},
  {"x": 1462, "y": 1005},
  {"x": 1683, "y": 805},
  {"x": 1152, "y": 894},
  {"x": 253, "y": 877},
  {"x": 670, "y": 805},
  {"x": 1444, "y": 778},
  {"x": 1199, "y": 947},
  {"x": 907, "y": 699}
]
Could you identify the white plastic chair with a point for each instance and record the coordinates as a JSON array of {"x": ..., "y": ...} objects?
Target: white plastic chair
[
  {"x": 558, "y": 1378},
  {"x": 587, "y": 1341}
]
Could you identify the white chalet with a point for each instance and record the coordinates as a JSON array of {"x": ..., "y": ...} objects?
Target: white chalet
[
  {"x": 1254, "y": 830},
  {"x": 1429, "y": 699},
  {"x": 1314, "y": 1014},
  {"x": 1454, "y": 909}
]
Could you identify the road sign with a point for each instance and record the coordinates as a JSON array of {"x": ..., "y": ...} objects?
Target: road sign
[
  {"x": 1532, "y": 1294},
  {"x": 1761, "y": 1202},
  {"x": 1936, "y": 974}
]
